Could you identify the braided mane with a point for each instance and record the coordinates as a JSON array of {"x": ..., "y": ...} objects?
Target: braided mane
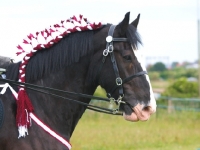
[
  {"x": 57, "y": 47},
  {"x": 64, "y": 53}
]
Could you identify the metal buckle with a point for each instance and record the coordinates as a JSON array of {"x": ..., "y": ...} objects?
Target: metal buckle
[
  {"x": 115, "y": 111},
  {"x": 105, "y": 52},
  {"x": 119, "y": 100},
  {"x": 112, "y": 100},
  {"x": 110, "y": 48},
  {"x": 118, "y": 81}
]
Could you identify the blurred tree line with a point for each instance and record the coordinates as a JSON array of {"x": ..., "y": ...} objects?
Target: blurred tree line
[
  {"x": 160, "y": 71},
  {"x": 182, "y": 88},
  {"x": 180, "y": 76}
]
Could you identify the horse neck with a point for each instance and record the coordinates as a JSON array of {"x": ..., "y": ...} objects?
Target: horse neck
[{"x": 61, "y": 114}]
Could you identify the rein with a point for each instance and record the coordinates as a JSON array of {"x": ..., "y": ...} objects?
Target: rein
[{"x": 49, "y": 91}]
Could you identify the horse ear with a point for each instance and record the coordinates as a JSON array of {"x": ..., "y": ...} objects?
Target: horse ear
[
  {"x": 136, "y": 21},
  {"x": 124, "y": 24}
]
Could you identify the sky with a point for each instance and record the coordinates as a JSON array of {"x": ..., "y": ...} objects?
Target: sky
[{"x": 168, "y": 28}]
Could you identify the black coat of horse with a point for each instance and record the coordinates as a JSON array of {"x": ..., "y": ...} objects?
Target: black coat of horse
[{"x": 74, "y": 65}]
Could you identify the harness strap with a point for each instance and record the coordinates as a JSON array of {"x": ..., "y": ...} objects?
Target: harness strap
[
  {"x": 118, "y": 79},
  {"x": 111, "y": 30},
  {"x": 47, "y": 90},
  {"x": 28, "y": 85},
  {"x": 120, "y": 39},
  {"x": 110, "y": 45},
  {"x": 133, "y": 76},
  {"x": 128, "y": 79}
]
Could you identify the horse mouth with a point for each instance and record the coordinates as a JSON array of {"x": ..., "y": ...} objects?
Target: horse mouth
[{"x": 137, "y": 113}]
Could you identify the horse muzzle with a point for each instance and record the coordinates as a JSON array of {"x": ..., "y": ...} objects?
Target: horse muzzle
[{"x": 139, "y": 113}]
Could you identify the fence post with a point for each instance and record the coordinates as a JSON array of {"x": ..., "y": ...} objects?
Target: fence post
[{"x": 170, "y": 106}]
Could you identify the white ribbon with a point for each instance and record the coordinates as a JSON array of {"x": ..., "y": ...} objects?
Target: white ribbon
[{"x": 5, "y": 86}]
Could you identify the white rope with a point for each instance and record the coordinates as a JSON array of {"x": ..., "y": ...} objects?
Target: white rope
[
  {"x": 51, "y": 132},
  {"x": 5, "y": 86}
]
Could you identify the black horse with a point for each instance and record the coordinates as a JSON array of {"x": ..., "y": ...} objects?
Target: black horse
[{"x": 79, "y": 63}]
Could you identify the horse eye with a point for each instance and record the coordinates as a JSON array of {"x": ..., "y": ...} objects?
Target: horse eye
[{"x": 127, "y": 57}]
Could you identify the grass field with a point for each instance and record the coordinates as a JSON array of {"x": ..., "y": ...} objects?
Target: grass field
[{"x": 174, "y": 131}]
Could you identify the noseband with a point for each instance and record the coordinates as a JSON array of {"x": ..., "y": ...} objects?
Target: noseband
[{"x": 119, "y": 82}]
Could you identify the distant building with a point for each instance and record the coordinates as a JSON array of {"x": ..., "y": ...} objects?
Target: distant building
[
  {"x": 193, "y": 65},
  {"x": 192, "y": 79},
  {"x": 150, "y": 60}
]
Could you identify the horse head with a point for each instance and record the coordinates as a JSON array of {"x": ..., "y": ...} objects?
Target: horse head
[{"x": 120, "y": 72}]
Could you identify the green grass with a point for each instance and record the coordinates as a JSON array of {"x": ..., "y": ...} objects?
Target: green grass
[{"x": 175, "y": 131}]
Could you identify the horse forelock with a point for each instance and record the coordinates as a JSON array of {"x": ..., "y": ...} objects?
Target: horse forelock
[{"x": 133, "y": 36}]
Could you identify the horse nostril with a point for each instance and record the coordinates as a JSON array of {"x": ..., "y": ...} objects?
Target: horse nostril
[
  {"x": 148, "y": 109},
  {"x": 145, "y": 108}
]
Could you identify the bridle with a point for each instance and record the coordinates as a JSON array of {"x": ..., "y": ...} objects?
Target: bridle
[{"x": 118, "y": 80}]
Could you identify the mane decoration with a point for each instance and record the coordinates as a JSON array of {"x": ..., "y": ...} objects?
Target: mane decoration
[{"x": 49, "y": 36}]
